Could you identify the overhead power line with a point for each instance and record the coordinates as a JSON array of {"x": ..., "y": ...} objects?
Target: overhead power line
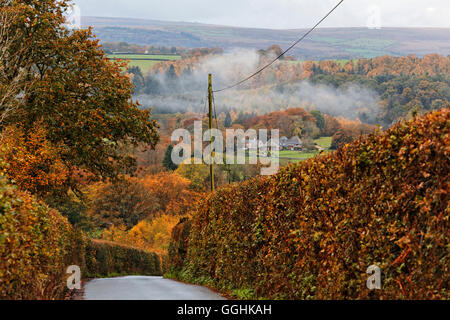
[
  {"x": 214, "y": 107},
  {"x": 282, "y": 54}
]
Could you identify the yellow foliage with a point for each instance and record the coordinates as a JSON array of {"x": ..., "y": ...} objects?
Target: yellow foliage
[
  {"x": 33, "y": 162},
  {"x": 151, "y": 235},
  {"x": 198, "y": 174}
]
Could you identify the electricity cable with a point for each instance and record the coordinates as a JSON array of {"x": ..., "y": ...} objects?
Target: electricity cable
[{"x": 284, "y": 52}]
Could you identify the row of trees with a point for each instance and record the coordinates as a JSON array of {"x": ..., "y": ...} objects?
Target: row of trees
[
  {"x": 405, "y": 85},
  {"x": 111, "y": 47}
]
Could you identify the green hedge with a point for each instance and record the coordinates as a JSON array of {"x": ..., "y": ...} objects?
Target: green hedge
[
  {"x": 105, "y": 258},
  {"x": 312, "y": 230}
]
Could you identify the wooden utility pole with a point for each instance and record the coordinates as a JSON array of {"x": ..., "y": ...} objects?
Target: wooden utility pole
[{"x": 211, "y": 168}]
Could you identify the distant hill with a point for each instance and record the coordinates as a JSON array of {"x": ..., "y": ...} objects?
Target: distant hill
[{"x": 325, "y": 43}]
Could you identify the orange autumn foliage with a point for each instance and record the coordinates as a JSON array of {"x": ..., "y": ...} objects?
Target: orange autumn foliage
[
  {"x": 312, "y": 230},
  {"x": 152, "y": 234},
  {"x": 349, "y": 131},
  {"x": 173, "y": 194},
  {"x": 130, "y": 200},
  {"x": 163, "y": 198},
  {"x": 33, "y": 162}
]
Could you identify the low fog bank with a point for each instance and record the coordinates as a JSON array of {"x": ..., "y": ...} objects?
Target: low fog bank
[{"x": 188, "y": 91}]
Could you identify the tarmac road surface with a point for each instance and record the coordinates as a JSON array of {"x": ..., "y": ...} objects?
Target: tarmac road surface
[{"x": 145, "y": 288}]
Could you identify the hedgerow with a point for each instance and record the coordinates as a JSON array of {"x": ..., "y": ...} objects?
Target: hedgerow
[
  {"x": 179, "y": 244},
  {"x": 37, "y": 244},
  {"x": 312, "y": 230},
  {"x": 105, "y": 258}
]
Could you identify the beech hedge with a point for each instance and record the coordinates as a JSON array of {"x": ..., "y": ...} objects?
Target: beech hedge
[
  {"x": 105, "y": 258},
  {"x": 37, "y": 244},
  {"x": 312, "y": 230}
]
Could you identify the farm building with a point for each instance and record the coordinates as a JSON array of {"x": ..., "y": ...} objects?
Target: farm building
[{"x": 294, "y": 143}]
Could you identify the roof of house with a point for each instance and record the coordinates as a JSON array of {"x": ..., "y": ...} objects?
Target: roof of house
[{"x": 294, "y": 140}]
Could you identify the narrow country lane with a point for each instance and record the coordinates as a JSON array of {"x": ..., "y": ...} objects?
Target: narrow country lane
[{"x": 145, "y": 288}]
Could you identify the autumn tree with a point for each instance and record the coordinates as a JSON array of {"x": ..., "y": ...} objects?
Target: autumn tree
[
  {"x": 172, "y": 193},
  {"x": 275, "y": 49},
  {"x": 31, "y": 161},
  {"x": 130, "y": 200},
  {"x": 71, "y": 88},
  {"x": 152, "y": 234},
  {"x": 331, "y": 126},
  {"x": 341, "y": 138},
  {"x": 125, "y": 202},
  {"x": 349, "y": 130}
]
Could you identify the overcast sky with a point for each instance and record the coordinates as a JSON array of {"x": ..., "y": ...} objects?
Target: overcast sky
[{"x": 280, "y": 14}]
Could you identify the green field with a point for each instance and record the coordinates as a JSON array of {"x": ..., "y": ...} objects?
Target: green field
[
  {"x": 366, "y": 47},
  {"x": 144, "y": 61},
  {"x": 297, "y": 154},
  {"x": 324, "y": 142},
  {"x": 287, "y": 156}
]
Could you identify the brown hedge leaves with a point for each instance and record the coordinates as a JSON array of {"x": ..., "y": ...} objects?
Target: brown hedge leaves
[
  {"x": 37, "y": 244},
  {"x": 311, "y": 231}
]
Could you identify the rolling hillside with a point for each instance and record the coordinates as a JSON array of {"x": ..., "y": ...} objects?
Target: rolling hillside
[{"x": 325, "y": 43}]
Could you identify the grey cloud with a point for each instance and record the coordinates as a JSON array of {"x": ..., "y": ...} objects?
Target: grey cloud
[{"x": 276, "y": 14}]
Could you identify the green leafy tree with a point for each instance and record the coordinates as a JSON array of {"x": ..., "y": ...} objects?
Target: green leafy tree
[
  {"x": 152, "y": 85},
  {"x": 167, "y": 162},
  {"x": 320, "y": 119},
  {"x": 138, "y": 78},
  {"x": 228, "y": 120}
]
